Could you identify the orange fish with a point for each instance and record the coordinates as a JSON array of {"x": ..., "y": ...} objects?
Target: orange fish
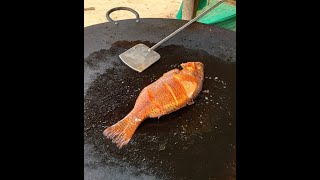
[{"x": 174, "y": 90}]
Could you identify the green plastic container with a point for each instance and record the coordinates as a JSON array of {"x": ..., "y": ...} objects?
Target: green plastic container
[{"x": 223, "y": 16}]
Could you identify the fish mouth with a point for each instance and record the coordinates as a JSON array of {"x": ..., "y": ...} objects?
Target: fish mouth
[
  {"x": 193, "y": 67},
  {"x": 199, "y": 65}
]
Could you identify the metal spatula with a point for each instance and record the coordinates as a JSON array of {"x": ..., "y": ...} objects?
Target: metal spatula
[{"x": 140, "y": 56}]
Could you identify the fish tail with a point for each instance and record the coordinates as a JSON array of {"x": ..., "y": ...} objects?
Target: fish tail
[{"x": 121, "y": 132}]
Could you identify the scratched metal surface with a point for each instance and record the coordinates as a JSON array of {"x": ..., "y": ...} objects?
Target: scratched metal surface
[{"x": 196, "y": 142}]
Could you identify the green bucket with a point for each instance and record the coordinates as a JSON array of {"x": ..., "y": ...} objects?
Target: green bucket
[{"x": 223, "y": 16}]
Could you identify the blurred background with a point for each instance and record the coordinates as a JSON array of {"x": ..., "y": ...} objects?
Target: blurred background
[
  {"x": 223, "y": 16},
  {"x": 145, "y": 8}
]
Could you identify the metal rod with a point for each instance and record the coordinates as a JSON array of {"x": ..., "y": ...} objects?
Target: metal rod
[{"x": 184, "y": 26}]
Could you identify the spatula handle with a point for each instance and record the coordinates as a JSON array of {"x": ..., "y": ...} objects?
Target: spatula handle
[{"x": 187, "y": 24}]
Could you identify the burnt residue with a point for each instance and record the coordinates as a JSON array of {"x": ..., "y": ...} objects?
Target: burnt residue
[{"x": 195, "y": 142}]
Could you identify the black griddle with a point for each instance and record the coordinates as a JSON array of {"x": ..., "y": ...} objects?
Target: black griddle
[{"x": 196, "y": 142}]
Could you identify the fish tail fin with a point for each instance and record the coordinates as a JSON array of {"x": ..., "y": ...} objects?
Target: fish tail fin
[{"x": 121, "y": 132}]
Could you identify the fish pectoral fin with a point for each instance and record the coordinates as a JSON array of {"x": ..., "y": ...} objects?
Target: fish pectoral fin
[{"x": 190, "y": 102}]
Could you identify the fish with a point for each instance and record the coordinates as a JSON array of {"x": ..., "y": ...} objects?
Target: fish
[{"x": 174, "y": 90}]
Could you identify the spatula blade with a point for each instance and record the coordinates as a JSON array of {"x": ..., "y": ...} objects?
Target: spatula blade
[{"x": 139, "y": 58}]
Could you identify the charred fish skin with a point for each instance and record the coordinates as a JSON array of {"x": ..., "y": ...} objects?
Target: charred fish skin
[{"x": 171, "y": 92}]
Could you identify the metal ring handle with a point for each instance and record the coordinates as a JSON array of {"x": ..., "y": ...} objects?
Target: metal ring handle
[{"x": 121, "y": 8}]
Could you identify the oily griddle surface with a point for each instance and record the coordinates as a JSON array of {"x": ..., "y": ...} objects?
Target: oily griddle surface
[{"x": 195, "y": 142}]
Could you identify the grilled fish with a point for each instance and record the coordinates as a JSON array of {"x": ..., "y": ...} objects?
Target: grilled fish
[{"x": 173, "y": 91}]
